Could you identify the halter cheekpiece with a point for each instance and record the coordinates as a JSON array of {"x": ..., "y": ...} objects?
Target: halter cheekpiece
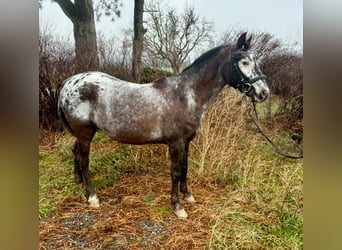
[{"x": 245, "y": 83}]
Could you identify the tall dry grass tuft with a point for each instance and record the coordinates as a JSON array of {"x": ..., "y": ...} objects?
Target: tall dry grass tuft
[
  {"x": 261, "y": 203},
  {"x": 222, "y": 137}
]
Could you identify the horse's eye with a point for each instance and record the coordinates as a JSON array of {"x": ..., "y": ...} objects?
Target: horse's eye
[{"x": 245, "y": 63}]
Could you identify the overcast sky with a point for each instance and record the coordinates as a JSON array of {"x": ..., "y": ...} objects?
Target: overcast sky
[{"x": 282, "y": 18}]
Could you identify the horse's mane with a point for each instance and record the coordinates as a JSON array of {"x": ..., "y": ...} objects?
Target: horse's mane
[{"x": 206, "y": 56}]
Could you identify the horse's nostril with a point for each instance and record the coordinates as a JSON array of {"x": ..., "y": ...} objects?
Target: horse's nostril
[{"x": 264, "y": 93}]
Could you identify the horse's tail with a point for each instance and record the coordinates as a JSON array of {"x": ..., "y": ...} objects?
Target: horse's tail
[{"x": 63, "y": 119}]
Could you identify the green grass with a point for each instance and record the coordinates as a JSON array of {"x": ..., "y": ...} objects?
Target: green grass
[
  {"x": 148, "y": 197},
  {"x": 263, "y": 206},
  {"x": 56, "y": 178},
  {"x": 164, "y": 210}
]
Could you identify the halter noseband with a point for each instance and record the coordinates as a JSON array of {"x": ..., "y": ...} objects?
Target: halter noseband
[{"x": 245, "y": 83}]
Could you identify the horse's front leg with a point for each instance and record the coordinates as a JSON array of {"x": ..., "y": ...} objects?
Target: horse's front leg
[
  {"x": 183, "y": 179},
  {"x": 178, "y": 154}
]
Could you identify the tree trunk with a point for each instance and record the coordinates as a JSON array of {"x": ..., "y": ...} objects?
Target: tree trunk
[
  {"x": 85, "y": 46},
  {"x": 175, "y": 64},
  {"x": 81, "y": 13},
  {"x": 138, "y": 39}
]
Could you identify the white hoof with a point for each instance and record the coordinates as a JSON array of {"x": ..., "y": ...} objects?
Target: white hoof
[
  {"x": 189, "y": 199},
  {"x": 93, "y": 201},
  {"x": 180, "y": 213}
]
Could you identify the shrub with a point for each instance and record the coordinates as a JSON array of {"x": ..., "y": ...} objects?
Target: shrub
[
  {"x": 284, "y": 71},
  {"x": 284, "y": 74},
  {"x": 151, "y": 74},
  {"x": 56, "y": 63}
]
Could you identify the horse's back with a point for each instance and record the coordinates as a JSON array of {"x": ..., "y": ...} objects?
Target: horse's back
[{"x": 82, "y": 93}]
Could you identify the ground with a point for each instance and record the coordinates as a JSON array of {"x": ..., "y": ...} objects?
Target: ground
[{"x": 135, "y": 213}]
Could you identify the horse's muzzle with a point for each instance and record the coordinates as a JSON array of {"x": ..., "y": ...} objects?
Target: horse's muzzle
[{"x": 259, "y": 97}]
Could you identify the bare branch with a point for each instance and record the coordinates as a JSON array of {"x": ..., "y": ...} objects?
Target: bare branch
[
  {"x": 110, "y": 8},
  {"x": 172, "y": 36}
]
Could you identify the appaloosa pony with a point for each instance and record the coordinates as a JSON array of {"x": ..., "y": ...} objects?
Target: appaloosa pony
[{"x": 167, "y": 111}]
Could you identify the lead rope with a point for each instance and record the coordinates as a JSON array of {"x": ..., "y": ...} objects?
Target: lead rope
[{"x": 268, "y": 140}]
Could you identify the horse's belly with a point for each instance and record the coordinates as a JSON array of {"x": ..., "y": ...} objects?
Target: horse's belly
[{"x": 133, "y": 133}]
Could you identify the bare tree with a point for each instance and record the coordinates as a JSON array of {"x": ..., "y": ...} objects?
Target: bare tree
[
  {"x": 172, "y": 36},
  {"x": 264, "y": 44},
  {"x": 81, "y": 14},
  {"x": 138, "y": 39}
]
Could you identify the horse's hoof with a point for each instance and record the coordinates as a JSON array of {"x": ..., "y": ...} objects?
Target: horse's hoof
[
  {"x": 93, "y": 201},
  {"x": 189, "y": 199},
  {"x": 180, "y": 213}
]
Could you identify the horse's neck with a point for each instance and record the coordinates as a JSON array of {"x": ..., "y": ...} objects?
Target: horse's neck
[{"x": 207, "y": 86}]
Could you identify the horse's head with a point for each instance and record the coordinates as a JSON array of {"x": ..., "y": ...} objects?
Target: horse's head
[{"x": 246, "y": 75}]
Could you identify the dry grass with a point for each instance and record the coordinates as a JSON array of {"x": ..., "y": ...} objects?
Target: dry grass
[
  {"x": 247, "y": 196},
  {"x": 221, "y": 138},
  {"x": 135, "y": 214},
  {"x": 263, "y": 204}
]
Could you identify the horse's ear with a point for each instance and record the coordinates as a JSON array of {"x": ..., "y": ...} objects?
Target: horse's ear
[
  {"x": 242, "y": 44},
  {"x": 248, "y": 42}
]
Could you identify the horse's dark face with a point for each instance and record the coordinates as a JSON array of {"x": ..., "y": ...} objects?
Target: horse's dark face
[{"x": 246, "y": 74}]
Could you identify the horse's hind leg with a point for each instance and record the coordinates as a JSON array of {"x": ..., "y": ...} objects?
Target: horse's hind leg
[
  {"x": 81, "y": 153},
  {"x": 77, "y": 169}
]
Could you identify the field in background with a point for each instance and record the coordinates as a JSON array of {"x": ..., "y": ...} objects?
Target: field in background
[{"x": 248, "y": 197}]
